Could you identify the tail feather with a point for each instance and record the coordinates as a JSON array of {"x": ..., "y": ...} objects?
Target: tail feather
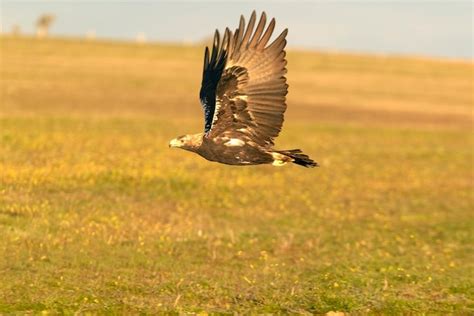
[{"x": 299, "y": 158}]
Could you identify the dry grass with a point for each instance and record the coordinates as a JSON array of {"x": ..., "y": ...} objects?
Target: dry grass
[{"x": 98, "y": 215}]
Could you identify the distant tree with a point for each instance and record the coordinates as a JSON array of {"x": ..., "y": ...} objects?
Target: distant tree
[
  {"x": 16, "y": 30},
  {"x": 90, "y": 35},
  {"x": 43, "y": 24},
  {"x": 140, "y": 38}
]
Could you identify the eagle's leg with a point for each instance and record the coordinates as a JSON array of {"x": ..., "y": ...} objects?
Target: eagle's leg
[
  {"x": 296, "y": 156},
  {"x": 280, "y": 159}
]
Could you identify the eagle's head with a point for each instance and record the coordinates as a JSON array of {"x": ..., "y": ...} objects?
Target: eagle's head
[{"x": 187, "y": 142}]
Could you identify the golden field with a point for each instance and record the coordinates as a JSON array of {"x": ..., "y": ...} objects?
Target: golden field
[{"x": 98, "y": 215}]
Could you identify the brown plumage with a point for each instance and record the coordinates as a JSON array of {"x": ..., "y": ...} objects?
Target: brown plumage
[{"x": 243, "y": 94}]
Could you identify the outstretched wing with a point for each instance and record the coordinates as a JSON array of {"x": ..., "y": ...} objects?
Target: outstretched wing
[
  {"x": 212, "y": 72},
  {"x": 250, "y": 95}
]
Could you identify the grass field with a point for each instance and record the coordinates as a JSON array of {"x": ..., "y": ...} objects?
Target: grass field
[{"x": 98, "y": 215}]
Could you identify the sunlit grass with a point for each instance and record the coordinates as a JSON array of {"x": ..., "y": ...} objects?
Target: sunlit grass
[{"x": 97, "y": 214}]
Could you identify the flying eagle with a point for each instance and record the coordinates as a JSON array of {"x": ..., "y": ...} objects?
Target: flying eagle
[{"x": 243, "y": 93}]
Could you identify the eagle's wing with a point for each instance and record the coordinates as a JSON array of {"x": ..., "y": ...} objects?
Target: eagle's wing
[
  {"x": 212, "y": 73},
  {"x": 244, "y": 86}
]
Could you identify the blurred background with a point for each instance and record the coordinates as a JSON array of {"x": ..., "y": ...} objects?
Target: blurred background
[
  {"x": 98, "y": 215},
  {"x": 431, "y": 28}
]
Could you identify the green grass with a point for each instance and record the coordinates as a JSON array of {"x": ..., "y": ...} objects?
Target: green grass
[{"x": 98, "y": 215}]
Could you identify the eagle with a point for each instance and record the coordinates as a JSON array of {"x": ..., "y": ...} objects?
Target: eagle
[{"x": 243, "y": 94}]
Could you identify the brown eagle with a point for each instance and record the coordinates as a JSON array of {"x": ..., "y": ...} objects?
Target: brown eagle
[{"x": 243, "y": 93}]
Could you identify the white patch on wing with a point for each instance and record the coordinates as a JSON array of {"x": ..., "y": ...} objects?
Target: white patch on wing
[{"x": 234, "y": 142}]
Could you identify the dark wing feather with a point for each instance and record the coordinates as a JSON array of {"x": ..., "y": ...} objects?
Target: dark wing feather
[
  {"x": 212, "y": 72},
  {"x": 251, "y": 92}
]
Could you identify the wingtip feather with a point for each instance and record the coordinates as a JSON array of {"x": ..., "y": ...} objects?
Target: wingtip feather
[
  {"x": 267, "y": 35},
  {"x": 206, "y": 58},
  {"x": 258, "y": 31}
]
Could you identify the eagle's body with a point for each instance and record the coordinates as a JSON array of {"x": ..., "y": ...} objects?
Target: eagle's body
[
  {"x": 243, "y": 94},
  {"x": 236, "y": 150}
]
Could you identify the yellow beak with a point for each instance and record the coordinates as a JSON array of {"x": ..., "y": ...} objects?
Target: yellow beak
[{"x": 174, "y": 143}]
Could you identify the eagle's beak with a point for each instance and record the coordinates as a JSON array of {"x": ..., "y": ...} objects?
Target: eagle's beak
[{"x": 174, "y": 143}]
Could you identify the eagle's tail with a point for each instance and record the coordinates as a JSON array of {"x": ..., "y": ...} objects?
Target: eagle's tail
[{"x": 299, "y": 158}]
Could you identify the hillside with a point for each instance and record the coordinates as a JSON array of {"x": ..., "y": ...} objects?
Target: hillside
[{"x": 97, "y": 214}]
